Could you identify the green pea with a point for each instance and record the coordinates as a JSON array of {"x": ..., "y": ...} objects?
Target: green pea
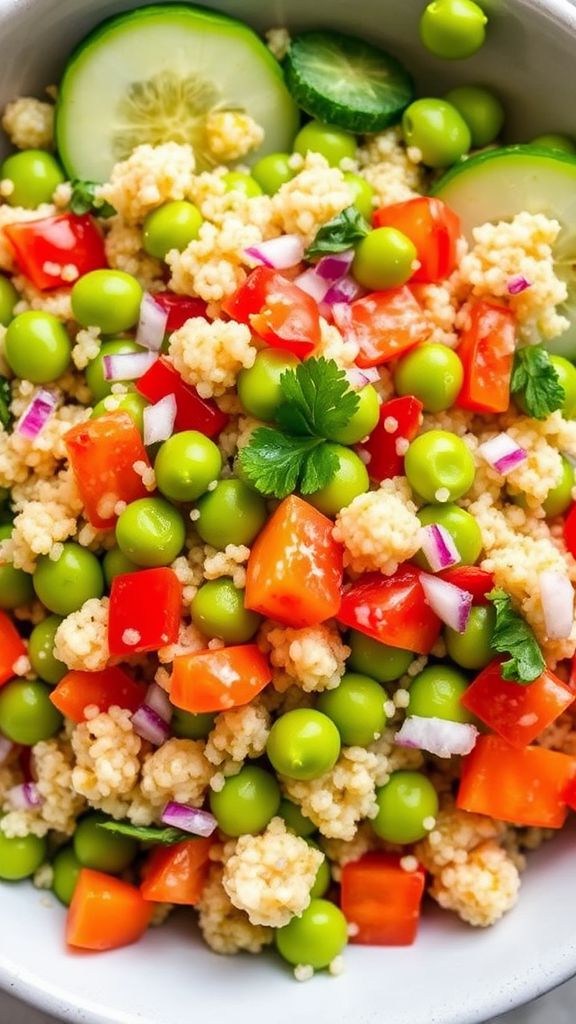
[
  {"x": 37, "y": 347},
  {"x": 41, "y": 651},
  {"x": 303, "y": 744},
  {"x": 27, "y": 714},
  {"x": 15, "y": 585},
  {"x": 439, "y": 466},
  {"x": 132, "y": 403},
  {"x": 362, "y": 194},
  {"x": 186, "y": 464},
  {"x": 172, "y": 226},
  {"x": 471, "y": 649},
  {"x": 404, "y": 805},
  {"x": 8, "y": 299},
  {"x": 247, "y": 802},
  {"x": 259, "y": 387},
  {"x": 482, "y": 111},
  {"x": 115, "y": 563},
  {"x": 461, "y": 526},
  {"x": 64, "y": 584},
  {"x": 218, "y": 611},
  {"x": 384, "y": 259},
  {"x": 554, "y": 141},
  {"x": 437, "y": 129},
  {"x": 356, "y": 706},
  {"x": 435, "y": 693},
  {"x": 432, "y": 373},
  {"x": 108, "y": 299},
  {"x": 232, "y": 513},
  {"x": 453, "y": 29},
  {"x": 567, "y": 378},
  {"x": 379, "y": 661},
  {"x": 94, "y": 373},
  {"x": 20, "y": 856},
  {"x": 188, "y": 726},
  {"x": 323, "y": 876},
  {"x": 272, "y": 171},
  {"x": 66, "y": 868},
  {"x": 350, "y": 479},
  {"x": 363, "y": 421},
  {"x": 332, "y": 143},
  {"x": 101, "y": 850},
  {"x": 296, "y": 821},
  {"x": 35, "y": 175},
  {"x": 235, "y": 181},
  {"x": 316, "y": 938},
  {"x": 150, "y": 532},
  {"x": 559, "y": 498}
]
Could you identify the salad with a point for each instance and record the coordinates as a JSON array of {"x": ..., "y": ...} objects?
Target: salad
[{"x": 287, "y": 519}]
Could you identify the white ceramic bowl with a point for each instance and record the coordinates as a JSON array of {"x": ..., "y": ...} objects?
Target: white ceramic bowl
[{"x": 454, "y": 974}]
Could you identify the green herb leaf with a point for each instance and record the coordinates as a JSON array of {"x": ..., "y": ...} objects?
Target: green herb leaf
[
  {"x": 5, "y": 399},
  {"x": 85, "y": 200},
  {"x": 340, "y": 233},
  {"x": 166, "y": 836},
  {"x": 536, "y": 381},
  {"x": 278, "y": 464},
  {"x": 512, "y": 635},
  {"x": 317, "y": 399}
]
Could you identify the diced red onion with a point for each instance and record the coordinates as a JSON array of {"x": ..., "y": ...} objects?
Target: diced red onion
[
  {"x": 189, "y": 819},
  {"x": 517, "y": 284},
  {"x": 312, "y": 284},
  {"x": 334, "y": 266},
  {"x": 159, "y": 701},
  {"x": 148, "y": 724},
  {"x": 502, "y": 453},
  {"x": 6, "y": 748},
  {"x": 151, "y": 324},
  {"x": 439, "y": 547},
  {"x": 36, "y": 415},
  {"x": 278, "y": 253},
  {"x": 159, "y": 420},
  {"x": 437, "y": 736},
  {"x": 128, "y": 365},
  {"x": 25, "y": 796},
  {"x": 451, "y": 604},
  {"x": 358, "y": 378},
  {"x": 557, "y": 596},
  {"x": 345, "y": 290}
]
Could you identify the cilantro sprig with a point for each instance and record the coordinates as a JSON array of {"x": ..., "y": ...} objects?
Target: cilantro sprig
[
  {"x": 85, "y": 200},
  {"x": 339, "y": 234},
  {"x": 512, "y": 635},
  {"x": 5, "y": 399},
  {"x": 316, "y": 401},
  {"x": 164, "y": 836},
  {"x": 535, "y": 380}
]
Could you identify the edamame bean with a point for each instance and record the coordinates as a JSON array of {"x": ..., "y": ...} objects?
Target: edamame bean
[
  {"x": 296, "y": 821},
  {"x": 439, "y": 466},
  {"x": 356, "y": 706},
  {"x": 20, "y": 856},
  {"x": 471, "y": 649},
  {"x": 34, "y": 174},
  {"x": 247, "y": 801},
  {"x": 188, "y": 726},
  {"x": 132, "y": 403},
  {"x": 218, "y": 611},
  {"x": 350, "y": 479},
  {"x": 115, "y": 563},
  {"x": 272, "y": 171},
  {"x": 363, "y": 421},
  {"x": 66, "y": 868},
  {"x": 323, "y": 876},
  {"x": 332, "y": 143},
  {"x": 232, "y": 513},
  {"x": 186, "y": 464},
  {"x": 379, "y": 661},
  {"x": 432, "y": 373},
  {"x": 259, "y": 387},
  {"x": 435, "y": 693},
  {"x": 15, "y": 585},
  {"x": 41, "y": 651},
  {"x": 385, "y": 258},
  {"x": 362, "y": 194},
  {"x": 437, "y": 130},
  {"x": 482, "y": 111},
  {"x": 8, "y": 299},
  {"x": 37, "y": 347},
  {"x": 559, "y": 498},
  {"x": 567, "y": 379},
  {"x": 407, "y": 808},
  {"x": 316, "y": 937},
  {"x": 303, "y": 744},
  {"x": 108, "y": 299},
  {"x": 101, "y": 850},
  {"x": 27, "y": 714},
  {"x": 453, "y": 29},
  {"x": 235, "y": 181},
  {"x": 555, "y": 141},
  {"x": 172, "y": 226},
  {"x": 65, "y": 583},
  {"x": 150, "y": 532}
]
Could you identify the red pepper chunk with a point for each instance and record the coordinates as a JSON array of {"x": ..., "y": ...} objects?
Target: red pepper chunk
[
  {"x": 432, "y": 227},
  {"x": 391, "y": 609},
  {"x": 476, "y": 581},
  {"x": 11, "y": 648},
  {"x": 180, "y": 308},
  {"x": 192, "y": 412},
  {"x": 382, "y": 900},
  {"x": 144, "y": 612},
  {"x": 218, "y": 680},
  {"x": 42, "y": 248},
  {"x": 570, "y": 530},
  {"x": 176, "y": 874},
  {"x": 517, "y": 713},
  {"x": 486, "y": 350},
  {"x": 277, "y": 310},
  {"x": 525, "y": 787},
  {"x": 383, "y": 324},
  {"x": 78, "y": 690},
  {"x": 400, "y": 420}
]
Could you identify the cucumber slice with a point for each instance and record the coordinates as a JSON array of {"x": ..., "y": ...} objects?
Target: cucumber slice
[
  {"x": 499, "y": 183},
  {"x": 347, "y": 82},
  {"x": 152, "y": 75}
]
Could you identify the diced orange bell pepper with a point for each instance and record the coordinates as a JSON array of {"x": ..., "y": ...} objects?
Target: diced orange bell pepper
[
  {"x": 517, "y": 713},
  {"x": 78, "y": 690},
  {"x": 145, "y": 611},
  {"x": 391, "y": 609},
  {"x": 486, "y": 350},
  {"x": 105, "y": 913},
  {"x": 11, "y": 648},
  {"x": 382, "y": 900},
  {"x": 432, "y": 227},
  {"x": 383, "y": 324},
  {"x": 176, "y": 874},
  {"x": 524, "y": 787},
  {"x": 218, "y": 680},
  {"x": 295, "y": 567},
  {"x": 102, "y": 454}
]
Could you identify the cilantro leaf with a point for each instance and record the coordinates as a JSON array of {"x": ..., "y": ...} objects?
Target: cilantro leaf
[
  {"x": 85, "y": 200},
  {"x": 317, "y": 399},
  {"x": 340, "y": 233},
  {"x": 536, "y": 381},
  {"x": 165, "y": 836},
  {"x": 5, "y": 399},
  {"x": 512, "y": 635},
  {"x": 278, "y": 464}
]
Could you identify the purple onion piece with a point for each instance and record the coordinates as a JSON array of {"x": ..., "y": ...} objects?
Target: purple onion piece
[
  {"x": 278, "y": 253},
  {"x": 451, "y": 604},
  {"x": 439, "y": 547},
  {"x": 159, "y": 420},
  {"x": 437, "y": 736},
  {"x": 502, "y": 453},
  {"x": 36, "y": 415},
  {"x": 158, "y": 700},
  {"x": 333, "y": 267},
  {"x": 346, "y": 290},
  {"x": 557, "y": 596},
  {"x": 25, "y": 796},
  {"x": 148, "y": 724},
  {"x": 151, "y": 323},
  {"x": 128, "y": 365},
  {"x": 189, "y": 819},
  {"x": 518, "y": 284}
]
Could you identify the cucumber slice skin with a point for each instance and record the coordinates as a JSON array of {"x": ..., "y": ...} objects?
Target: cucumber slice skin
[
  {"x": 284, "y": 111},
  {"x": 356, "y": 110}
]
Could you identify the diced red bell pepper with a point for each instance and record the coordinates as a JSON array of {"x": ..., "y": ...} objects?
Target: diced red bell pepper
[
  {"x": 180, "y": 308},
  {"x": 476, "y": 581},
  {"x": 42, "y": 248},
  {"x": 525, "y": 787},
  {"x": 391, "y": 609},
  {"x": 11, "y": 648},
  {"x": 295, "y": 567},
  {"x": 517, "y": 713},
  {"x": 277, "y": 310},
  {"x": 382, "y": 900},
  {"x": 192, "y": 412},
  {"x": 218, "y": 680},
  {"x": 144, "y": 612},
  {"x": 486, "y": 351},
  {"x": 78, "y": 690},
  {"x": 570, "y": 530},
  {"x": 176, "y": 874},
  {"x": 432, "y": 227},
  {"x": 105, "y": 912},
  {"x": 383, "y": 324},
  {"x": 102, "y": 453},
  {"x": 400, "y": 420}
]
